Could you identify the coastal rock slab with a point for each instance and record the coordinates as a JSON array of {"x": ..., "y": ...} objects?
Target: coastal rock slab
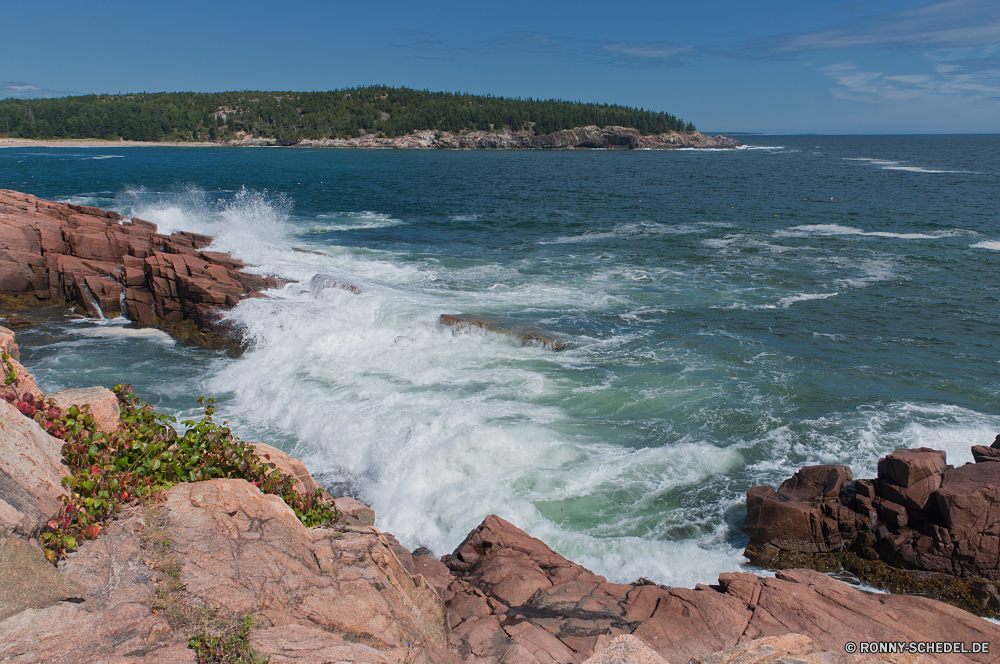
[
  {"x": 28, "y": 580},
  {"x": 800, "y": 650},
  {"x": 30, "y": 473},
  {"x": 110, "y": 619},
  {"x": 248, "y": 553},
  {"x": 513, "y": 597}
]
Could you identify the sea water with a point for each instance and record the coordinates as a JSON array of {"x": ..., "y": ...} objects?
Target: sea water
[{"x": 731, "y": 316}]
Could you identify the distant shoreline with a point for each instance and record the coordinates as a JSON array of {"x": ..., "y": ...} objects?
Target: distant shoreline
[
  {"x": 590, "y": 137},
  {"x": 94, "y": 143}
]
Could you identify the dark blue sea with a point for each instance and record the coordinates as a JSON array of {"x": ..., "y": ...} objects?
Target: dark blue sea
[{"x": 731, "y": 315}]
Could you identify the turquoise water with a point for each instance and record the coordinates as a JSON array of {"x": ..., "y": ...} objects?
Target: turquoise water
[{"x": 732, "y": 316}]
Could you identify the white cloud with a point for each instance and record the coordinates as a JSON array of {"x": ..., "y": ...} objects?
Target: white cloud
[
  {"x": 955, "y": 23},
  {"x": 876, "y": 87},
  {"x": 22, "y": 90}
]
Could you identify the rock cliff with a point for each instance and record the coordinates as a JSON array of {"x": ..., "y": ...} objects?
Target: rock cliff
[
  {"x": 591, "y": 137},
  {"x": 53, "y": 252}
]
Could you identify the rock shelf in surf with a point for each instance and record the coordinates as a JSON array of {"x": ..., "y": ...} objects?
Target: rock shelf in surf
[
  {"x": 921, "y": 525},
  {"x": 527, "y": 334},
  {"x": 353, "y": 593},
  {"x": 56, "y": 252}
]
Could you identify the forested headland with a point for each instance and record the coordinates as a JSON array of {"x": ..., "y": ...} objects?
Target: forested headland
[{"x": 293, "y": 116}]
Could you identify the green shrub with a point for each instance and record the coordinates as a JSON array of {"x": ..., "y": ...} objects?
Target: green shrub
[{"x": 145, "y": 457}]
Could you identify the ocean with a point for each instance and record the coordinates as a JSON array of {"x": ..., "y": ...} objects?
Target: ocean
[{"x": 730, "y": 316}]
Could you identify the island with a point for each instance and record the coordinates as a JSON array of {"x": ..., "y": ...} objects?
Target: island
[{"x": 364, "y": 117}]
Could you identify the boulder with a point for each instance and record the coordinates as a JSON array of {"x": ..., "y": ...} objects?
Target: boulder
[
  {"x": 102, "y": 401},
  {"x": 909, "y": 477},
  {"x": 22, "y": 387},
  {"x": 7, "y": 344},
  {"x": 802, "y": 514},
  {"x": 288, "y": 465},
  {"x": 918, "y": 514},
  {"x": 356, "y": 513},
  {"x": 30, "y": 473},
  {"x": 983, "y": 454}
]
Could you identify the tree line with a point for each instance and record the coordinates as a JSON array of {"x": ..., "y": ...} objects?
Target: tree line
[{"x": 292, "y": 116}]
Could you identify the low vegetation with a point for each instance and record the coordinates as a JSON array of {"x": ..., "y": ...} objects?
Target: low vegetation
[
  {"x": 145, "y": 457},
  {"x": 292, "y": 116}
]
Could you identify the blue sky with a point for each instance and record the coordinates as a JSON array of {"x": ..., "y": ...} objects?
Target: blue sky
[{"x": 771, "y": 66}]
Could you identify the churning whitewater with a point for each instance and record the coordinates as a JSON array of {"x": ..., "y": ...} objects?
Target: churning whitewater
[{"x": 729, "y": 317}]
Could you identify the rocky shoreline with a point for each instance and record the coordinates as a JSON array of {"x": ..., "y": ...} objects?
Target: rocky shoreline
[
  {"x": 220, "y": 552},
  {"x": 589, "y": 137}
]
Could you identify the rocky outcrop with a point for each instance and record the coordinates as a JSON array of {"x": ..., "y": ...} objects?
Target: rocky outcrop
[
  {"x": 528, "y": 335},
  {"x": 514, "y": 599},
  {"x": 918, "y": 514},
  {"x": 315, "y": 595},
  {"x": 592, "y": 137},
  {"x": 30, "y": 473},
  {"x": 51, "y": 252}
]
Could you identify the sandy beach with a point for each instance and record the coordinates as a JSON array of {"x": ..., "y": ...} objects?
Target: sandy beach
[{"x": 90, "y": 143}]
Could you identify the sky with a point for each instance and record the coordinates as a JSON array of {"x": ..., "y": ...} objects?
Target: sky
[{"x": 770, "y": 66}]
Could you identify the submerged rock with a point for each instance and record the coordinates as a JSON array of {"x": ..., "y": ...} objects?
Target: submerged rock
[
  {"x": 527, "y": 334},
  {"x": 320, "y": 282}
]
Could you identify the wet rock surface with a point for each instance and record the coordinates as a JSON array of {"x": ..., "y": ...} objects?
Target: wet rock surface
[
  {"x": 528, "y": 335},
  {"x": 53, "y": 252},
  {"x": 933, "y": 524}
]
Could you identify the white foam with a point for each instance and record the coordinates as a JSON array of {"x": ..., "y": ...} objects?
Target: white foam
[
  {"x": 353, "y": 221},
  {"x": 249, "y": 224},
  {"x": 585, "y": 237},
  {"x": 115, "y": 332},
  {"x": 837, "y": 229},
  {"x": 987, "y": 244},
  {"x": 889, "y": 165},
  {"x": 786, "y": 302}
]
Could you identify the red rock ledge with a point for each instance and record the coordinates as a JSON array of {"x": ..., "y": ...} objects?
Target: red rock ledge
[
  {"x": 921, "y": 525},
  {"x": 56, "y": 252}
]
